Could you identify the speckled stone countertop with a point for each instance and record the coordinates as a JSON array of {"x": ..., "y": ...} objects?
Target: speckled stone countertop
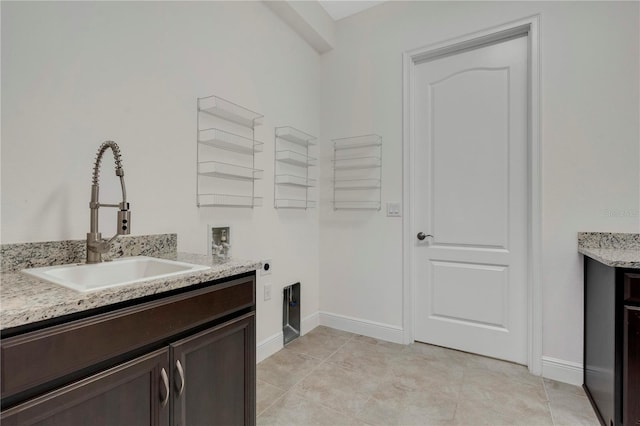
[
  {"x": 25, "y": 299},
  {"x": 618, "y": 250}
]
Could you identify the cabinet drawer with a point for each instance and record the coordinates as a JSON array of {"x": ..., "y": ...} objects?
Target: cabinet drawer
[
  {"x": 632, "y": 288},
  {"x": 41, "y": 356}
]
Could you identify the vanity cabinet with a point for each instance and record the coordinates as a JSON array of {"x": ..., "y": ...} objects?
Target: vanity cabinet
[
  {"x": 128, "y": 394},
  {"x": 612, "y": 342},
  {"x": 631, "y": 352},
  {"x": 187, "y": 358},
  {"x": 215, "y": 379}
]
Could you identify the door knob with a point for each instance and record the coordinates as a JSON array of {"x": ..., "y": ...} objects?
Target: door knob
[{"x": 421, "y": 236}]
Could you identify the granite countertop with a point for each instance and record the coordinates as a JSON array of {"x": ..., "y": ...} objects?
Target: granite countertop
[
  {"x": 27, "y": 299},
  {"x": 617, "y": 250}
]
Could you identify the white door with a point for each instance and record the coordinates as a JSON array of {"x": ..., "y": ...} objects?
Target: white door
[{"x": 470, "y": 180}]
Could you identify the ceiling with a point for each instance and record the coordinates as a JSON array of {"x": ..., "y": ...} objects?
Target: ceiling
[{"x": 339, "y": 9}]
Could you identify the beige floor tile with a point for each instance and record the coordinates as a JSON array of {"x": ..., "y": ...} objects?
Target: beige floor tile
[
  {"x": 395, "y": 404},
  {"x": 321, "y": 329},
  {"x": 500, "y": 386},
  {"x": 372, "y": 341},
  {"x": 438, "y": 353},
  {"x": 558, "y": 388},
  {"x": 572, "y": 410},
  {"x": 508, "y": 370},
  {"x": 491, "y": 412},
  {"x": 368, "y": 381},
  {"x": 417, "y": 371},
  {"x": 569, "y": 405},
  {"x": 285, "y": 368},
  {"x": 365, "y": 358},
  {"x": 266, "y": 395},
  {"x": 294, "y": 410},
  {"x": 319, "y": 344},
  {"x": 334, "y": 387}
]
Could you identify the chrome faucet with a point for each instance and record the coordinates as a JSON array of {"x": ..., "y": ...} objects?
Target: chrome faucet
[{"x": 96, "y": 246}]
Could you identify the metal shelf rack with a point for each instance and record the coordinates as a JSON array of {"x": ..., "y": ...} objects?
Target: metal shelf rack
[
  {"x": 357, "y": 173},
  {"x": 226, "y": 149},
  {"x": 291, "y": 169}
]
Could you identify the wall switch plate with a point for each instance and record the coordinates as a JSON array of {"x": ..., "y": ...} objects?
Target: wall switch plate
[
  {"x": 266, "y": 267},
  {"x": 394, "y": 210},
  {"x": 267, "y": 291}
]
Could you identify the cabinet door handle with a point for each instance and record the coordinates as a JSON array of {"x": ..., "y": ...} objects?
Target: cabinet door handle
[
  {"x": 165, "y": 381},
  {"x": 181, "y": 373}
]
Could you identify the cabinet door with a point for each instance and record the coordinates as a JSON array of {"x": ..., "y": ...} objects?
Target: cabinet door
[
  {"x": 213, "y": 375},
  {"x": 631, "y": 366},
  {"x": 128, "y": 394}
]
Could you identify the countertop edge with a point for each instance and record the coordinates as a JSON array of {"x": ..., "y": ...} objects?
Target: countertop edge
[
  {"x": 33, "y": 300},
  {"x": 613, "y": 257}
]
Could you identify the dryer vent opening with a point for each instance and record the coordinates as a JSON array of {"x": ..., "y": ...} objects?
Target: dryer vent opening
[{"x": 291, "y": 312}]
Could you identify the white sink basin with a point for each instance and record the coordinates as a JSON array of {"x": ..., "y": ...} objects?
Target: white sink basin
[{"x": 126, "y": 270}]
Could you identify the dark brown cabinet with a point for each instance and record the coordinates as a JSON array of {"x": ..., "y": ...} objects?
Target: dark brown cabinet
[
  {"x": 631, "y": 366},
  {"x": 612, "y": 342},
  {"x": 185, "y": 359},
  {"x": 211, "y": 382},
  {"x": 128, "y": 394}
]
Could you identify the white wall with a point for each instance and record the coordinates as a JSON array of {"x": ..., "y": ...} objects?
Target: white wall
[
  {"x": 589, "y": 136},
  {"x": 77, "y": 73},
  {"x": 74, "y": 74}
]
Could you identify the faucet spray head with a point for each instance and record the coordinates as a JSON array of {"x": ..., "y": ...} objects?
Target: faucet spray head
[{"x": 124, "y": 220}]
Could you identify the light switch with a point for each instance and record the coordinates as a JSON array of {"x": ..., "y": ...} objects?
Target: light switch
[{"x": 394, "y": 210}]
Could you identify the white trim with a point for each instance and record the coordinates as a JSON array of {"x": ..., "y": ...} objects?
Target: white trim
[
  {"x": 309, "y": 322},
  {"x": 529, "y": 26},
  {"x": 377, "y": 330},
  {"x": 273, "y": 344},
  {"x": 562, "y": 371},
  {"x": 269, "y": 346}
]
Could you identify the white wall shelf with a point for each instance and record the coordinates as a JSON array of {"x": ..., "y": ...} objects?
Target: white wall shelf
[
  {"x": 295, "y": 158},
  {"x": 229, "y": 111},
  {"x": 228, "y": 171},
  {"x": 357, "y": 173},
  {"x": 227, "y": 200},
  {"x": 357, "y": 205},
  {"x": 295, "y": 136},
  {"x": 356, "y": 184},
  {"x": 226, "y": 149},
  {"x": 294, "y": 204},
  {"x": 295, "y": 181},
  {"x": 231, "y": 142},
  {"x": 356, "y": 142},
  {"x": 291, "y": 169},
  {"x": 354, "y": 163}
]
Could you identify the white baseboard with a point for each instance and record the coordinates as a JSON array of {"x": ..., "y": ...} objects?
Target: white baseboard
[
  {"x": 373, "y": 329},
  {"x": 273, "y": 344},
  {"x": 269, "y": 346},
  {"x": 309, "y": 323},
  {"x": 562, "y": 371}
]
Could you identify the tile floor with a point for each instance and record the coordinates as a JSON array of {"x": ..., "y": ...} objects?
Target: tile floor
[{"x": 331, "y": 377}]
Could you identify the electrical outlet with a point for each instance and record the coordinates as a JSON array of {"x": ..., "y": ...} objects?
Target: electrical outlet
[
  {"x": 266, "y": 267},
  {"x": 267, "y": 291}
]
